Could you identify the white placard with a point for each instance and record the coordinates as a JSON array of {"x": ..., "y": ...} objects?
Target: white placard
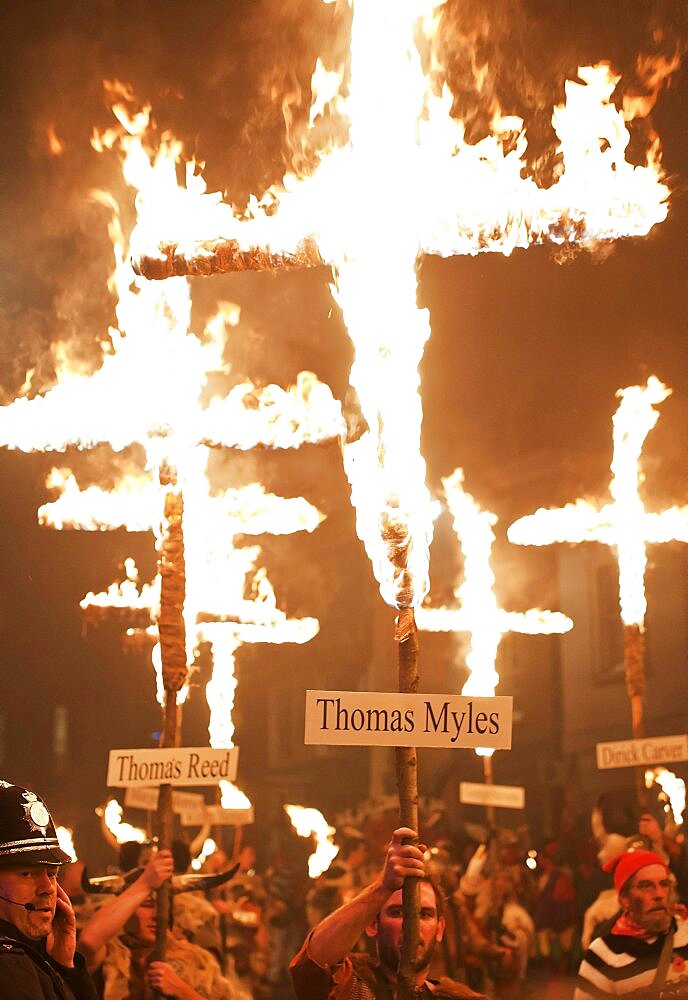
[
  {"x": 642, "y": 753},
  {"x": 171, "y": 766},
  {"x": 355, "y": 718},
  {"x": 216, "y": 816},
  {"x": 147, "y": 798},
  {"x": 501, "y": 796}
]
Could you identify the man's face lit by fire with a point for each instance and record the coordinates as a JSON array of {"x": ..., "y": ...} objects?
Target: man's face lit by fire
[
  {"x": 647, "y": 898},
  {"x": 387, "y": 929},
  {"x": 145, "y": 921},
  {"x": 35, "y": 884}
]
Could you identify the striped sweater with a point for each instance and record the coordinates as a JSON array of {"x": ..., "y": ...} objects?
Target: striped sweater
[{"x": 618, "y": 964}]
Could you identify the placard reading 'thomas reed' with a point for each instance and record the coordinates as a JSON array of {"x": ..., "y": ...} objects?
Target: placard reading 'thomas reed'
[{"x": 407, "y": 720}]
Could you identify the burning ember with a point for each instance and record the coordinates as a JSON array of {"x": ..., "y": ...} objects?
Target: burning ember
[
  {"x": 65, "y": 838},
  {"x": 673, "y": 791},
  {"x": 311, "y": 823},
  {"x": 209, "y": 847},
  {"x": 478, "y": 613},
  {"x": 111, "y": 816}
]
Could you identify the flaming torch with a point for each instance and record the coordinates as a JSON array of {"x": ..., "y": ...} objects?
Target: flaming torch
[
  {"x": 442, "y": 195},
  {"x": 479, "y": 614},
  {"x": 312, "y": 823},
  {"x": 624, "y": 525}
]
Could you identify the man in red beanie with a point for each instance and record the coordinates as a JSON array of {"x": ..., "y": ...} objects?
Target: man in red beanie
[{"x": 647, "y": 946}]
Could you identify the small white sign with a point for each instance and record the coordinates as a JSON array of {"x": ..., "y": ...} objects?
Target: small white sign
[
  {"x": 355, "y": 718},
  {"x": 216, "y": 816},
  {"x": 501, "y": 796},
  {"x": 147, "y": 798},
  {"x": 642, "y": 753},
  {"x": 171, "y": 766}
]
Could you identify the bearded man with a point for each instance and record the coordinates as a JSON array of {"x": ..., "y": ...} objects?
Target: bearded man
[
  {"x": 38, "y": 959},
  {"x": 327, "y": 969},
  {"x": 646, "y": 951}
]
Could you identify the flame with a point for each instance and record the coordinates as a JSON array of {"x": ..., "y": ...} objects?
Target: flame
[
  {"x": 153, "y": 387},
  {"x": 673, "y": 791},
  {"x": 122, "y": 832},
  {"x": 65, "y": 838},
  {"x": 478, "y": 613},
  {"x": 623, "y": 524},
  {"x": 401, "y": 180},
  {"x": 56, "y": 145},
  {"x": 209, "y": 847},
  {"x": 311, "y": 823}
]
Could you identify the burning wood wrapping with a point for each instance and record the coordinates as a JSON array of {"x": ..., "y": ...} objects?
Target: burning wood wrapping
[
  {"x": 634, "y": 662},
  {"x": 134, "y": 618},
  {"x": 223, "y": 257},
  {"x": 172, "y": 591},
  {"x": 634, "y": 649}
]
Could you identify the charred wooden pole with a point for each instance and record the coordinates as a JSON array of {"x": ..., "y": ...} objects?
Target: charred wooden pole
[
  {"x": 223, "y": 257},
  {"x": 634, "y": 663},
  {"x": 407, "y": 785},
  {"x": 172, "y": 634}
]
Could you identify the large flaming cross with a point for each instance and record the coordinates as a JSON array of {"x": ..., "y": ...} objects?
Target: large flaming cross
[
  {"x": 478, "y": 614},
  {"x": 624, "y": 525},
  {"x": 148, "y": 391},
  {"x": 403, "y": 183}
]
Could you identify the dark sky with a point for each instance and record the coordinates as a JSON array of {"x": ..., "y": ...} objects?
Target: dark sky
[{"x": 520, "y": 374}]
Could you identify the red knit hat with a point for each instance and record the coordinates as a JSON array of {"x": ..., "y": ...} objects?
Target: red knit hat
[{"x": 623, "y": 866}]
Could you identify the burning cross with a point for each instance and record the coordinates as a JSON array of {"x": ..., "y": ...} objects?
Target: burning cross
[
  {"x": 404, "y": 182},
  {"x": 148, "y": 391},
  {"x": 623, "y": 524},
  {"x": 478, "y": 613}
]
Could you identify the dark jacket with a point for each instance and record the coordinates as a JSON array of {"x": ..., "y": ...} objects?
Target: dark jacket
[{"x": 28, "y": 973}]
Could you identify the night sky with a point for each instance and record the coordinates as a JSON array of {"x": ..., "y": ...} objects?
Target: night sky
[{"x": 520, "y": 374}]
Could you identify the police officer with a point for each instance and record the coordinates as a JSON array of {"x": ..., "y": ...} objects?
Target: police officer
[{"x": 38, "y": 960}]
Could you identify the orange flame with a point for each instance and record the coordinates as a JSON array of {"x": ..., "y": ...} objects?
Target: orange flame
[
  {"x": 311, "y": 823},
  {"x": 623, "y": 524},
  {"x": 153, "y": 387},
  {"x": 402, "y": 182},
  {"x": 478, "y": 613}
]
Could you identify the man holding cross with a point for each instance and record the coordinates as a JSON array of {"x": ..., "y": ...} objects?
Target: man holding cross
[{"x": 326, "y": 968}]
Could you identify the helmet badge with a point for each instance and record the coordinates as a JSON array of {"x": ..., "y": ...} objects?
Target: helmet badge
[{"x": 35, "y": 813}]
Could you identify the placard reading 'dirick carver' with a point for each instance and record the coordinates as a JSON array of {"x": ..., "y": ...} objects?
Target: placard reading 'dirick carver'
[
  {"x": 500, "y": 796},
  {"x": 356, "y": 718},
  {"x": 171, "y": 766},
  {"x": 643, "y": 752}
]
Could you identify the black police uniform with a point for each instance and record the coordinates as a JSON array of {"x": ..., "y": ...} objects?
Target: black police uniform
[{"x": 27, "y": 972}]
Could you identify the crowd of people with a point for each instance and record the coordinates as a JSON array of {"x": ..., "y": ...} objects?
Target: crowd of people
[{"x": 594, "y": 915}]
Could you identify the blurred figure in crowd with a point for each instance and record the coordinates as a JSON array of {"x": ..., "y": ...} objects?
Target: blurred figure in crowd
[{"x": 119, "y": 940}]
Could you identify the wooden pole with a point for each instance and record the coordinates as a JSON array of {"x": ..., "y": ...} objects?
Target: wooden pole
[
  {"x": 634, "y": 663},
  {"x": 172, "y": 634},
  {"x": 492, "y": 845},
  {"x": 407, "y": 784}
]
